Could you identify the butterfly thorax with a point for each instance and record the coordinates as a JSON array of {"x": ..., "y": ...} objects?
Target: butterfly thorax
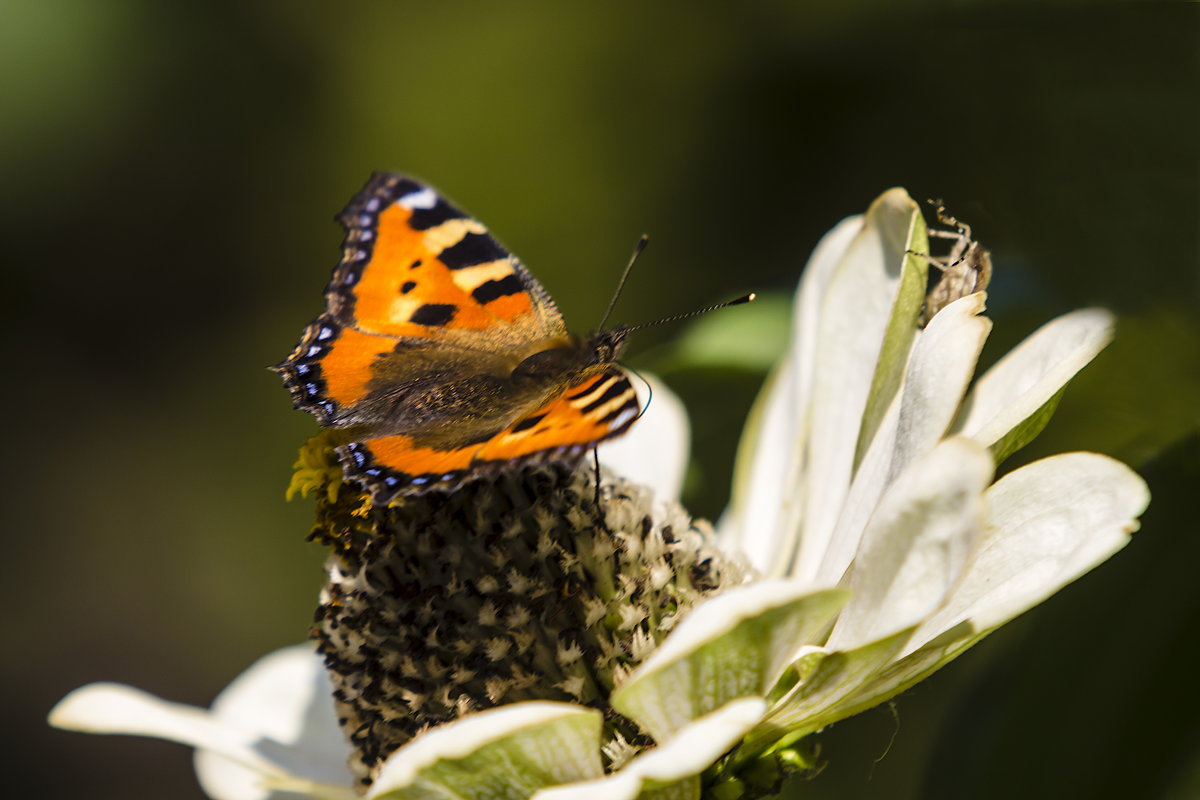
[{"x": 572, "y": 360}]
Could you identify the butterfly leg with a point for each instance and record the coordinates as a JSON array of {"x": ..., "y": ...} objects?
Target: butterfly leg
[{"x": 596, "y": 465}]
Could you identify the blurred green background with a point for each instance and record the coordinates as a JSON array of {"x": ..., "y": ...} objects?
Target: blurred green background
[{"x": 169, "y": 174}]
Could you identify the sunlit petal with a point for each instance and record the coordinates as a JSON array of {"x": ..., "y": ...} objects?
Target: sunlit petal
[
  {"x": 1048, "y": 523},
  {"x": 766, "y": 493},
  {"x": 941, "y": 364},
  {"x": 1032, "y": 374},
  {"x": 916, "y": 544}
]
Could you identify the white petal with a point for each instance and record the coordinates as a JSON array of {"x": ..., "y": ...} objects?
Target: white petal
[
  {"x": 1031, "y": 374},
  {"x": 655, "y": 451},
  {"x": 285, "y": 700},
  {"x": 114, "y": 708},
  {"x": 942, "y": 363},
  {"x": 764, "y": 509},
  {"x": 684, "y": 756},
  {"x": 939, "y": 368},
  {"x": 870, "y": 480},
  {"x": 800, "y": 445},
  {"x": 246, "y": 761},
  {"x": 1049, "y": 522},
  {"x": 734, "y": 645},
  {"x": 916, "y": 544},
  {"x": 523, "y": 747},
  {"x": 855, "y": 313}
]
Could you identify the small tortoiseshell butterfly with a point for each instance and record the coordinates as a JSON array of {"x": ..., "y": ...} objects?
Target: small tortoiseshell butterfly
[{"x": 439, "y": 357}]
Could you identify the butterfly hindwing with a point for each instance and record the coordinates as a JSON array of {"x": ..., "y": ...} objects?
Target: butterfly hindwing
[{"x": 599, "y": 408}]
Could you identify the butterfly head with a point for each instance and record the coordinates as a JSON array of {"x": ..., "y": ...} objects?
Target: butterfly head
[{"x": 606, "y": 347}]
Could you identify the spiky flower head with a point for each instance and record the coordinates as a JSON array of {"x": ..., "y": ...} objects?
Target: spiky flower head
[{"x": 517, "y": 586}]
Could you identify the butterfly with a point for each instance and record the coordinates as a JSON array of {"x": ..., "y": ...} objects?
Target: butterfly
[{"x": 439, "y": 358}]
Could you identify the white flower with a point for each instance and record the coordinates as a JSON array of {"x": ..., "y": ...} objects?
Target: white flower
[{"x": 864, "y": 495}]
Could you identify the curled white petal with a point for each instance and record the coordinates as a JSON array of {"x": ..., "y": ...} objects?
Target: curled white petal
[
  {"x": 1048, "y": 523},
  {"x": 1032, "y": 373},
  {"x": 795, "y": 471}
]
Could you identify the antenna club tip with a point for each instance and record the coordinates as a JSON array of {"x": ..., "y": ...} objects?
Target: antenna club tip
[{"x": 748, "y": 298}]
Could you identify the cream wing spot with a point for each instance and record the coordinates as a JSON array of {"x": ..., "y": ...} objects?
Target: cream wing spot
[
  {"x": 403, "y": 307},
  {"x": 451, "y": 233},
  {"x": 471, "y": 278},
  {"x": 598, "y": 389},
  {"x": 612, "y": 406}
]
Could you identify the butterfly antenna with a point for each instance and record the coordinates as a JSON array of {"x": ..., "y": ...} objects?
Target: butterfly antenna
[
  {"x": 746, "y": 298},
  {"x": 637, "y": 251}
]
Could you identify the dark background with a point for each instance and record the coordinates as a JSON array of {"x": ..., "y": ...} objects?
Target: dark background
[{"x": 169, "y": 174}]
